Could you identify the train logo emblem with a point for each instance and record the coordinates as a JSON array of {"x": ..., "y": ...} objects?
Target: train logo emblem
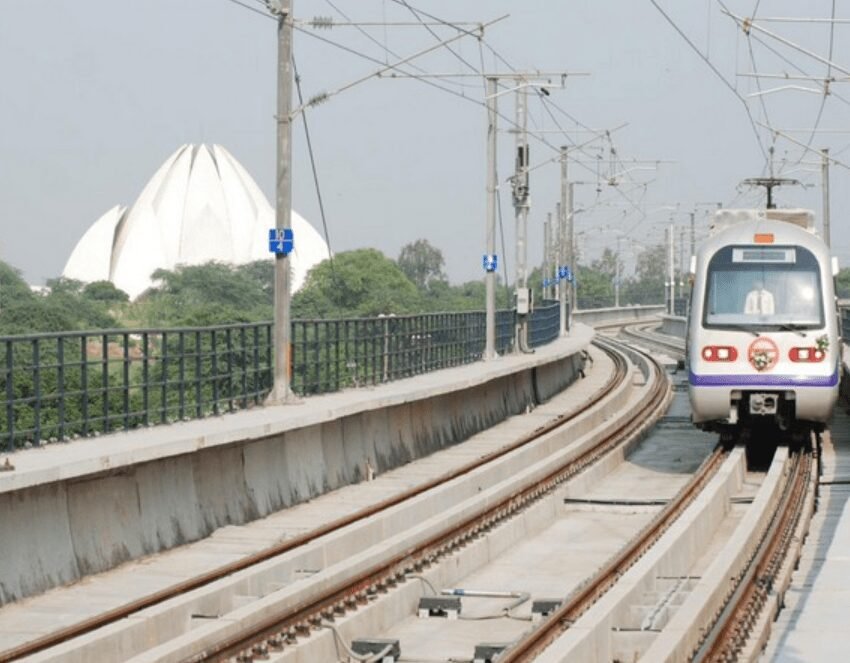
[{"x": 763, "y": 353}]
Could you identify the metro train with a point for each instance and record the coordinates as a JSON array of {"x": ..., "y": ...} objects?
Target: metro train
[{"x": 763, "y": 340}]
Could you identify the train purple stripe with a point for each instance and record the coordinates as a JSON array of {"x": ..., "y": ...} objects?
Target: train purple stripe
[{"x": 763, "y": 380}]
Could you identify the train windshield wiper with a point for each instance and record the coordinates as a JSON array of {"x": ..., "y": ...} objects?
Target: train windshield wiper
[
  {"x": 793, "y": 328},
  {"x": 745, "y": 328}
]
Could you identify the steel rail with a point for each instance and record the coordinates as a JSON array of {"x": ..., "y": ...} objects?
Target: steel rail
[
  {"x": 274, "y": 631},
  {"x": 641, "y": 333},
  {"x": 728, "y": 635},
  {"x": 576, "y": 604},
  {"x": 121, "y": 612}
]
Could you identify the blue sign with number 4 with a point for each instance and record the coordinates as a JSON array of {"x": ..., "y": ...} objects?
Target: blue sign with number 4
[{"x": 281, "y": 240}]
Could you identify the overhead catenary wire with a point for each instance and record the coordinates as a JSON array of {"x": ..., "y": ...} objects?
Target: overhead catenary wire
[
  {"x": 825, "y": 83},
  {"x": 387, "y": 51},
  {"x": 548, "y": 104},
  {"x": 716, "y": 72},
  {"x": 457, "y": 55},
  {"x": 313, "y": 168},
  {"x": 260, "y": 12}
]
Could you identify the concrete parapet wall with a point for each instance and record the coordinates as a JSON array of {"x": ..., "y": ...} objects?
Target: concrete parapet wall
[
  {"x": 623, "y": 314},
  {"x": 674, "y": 325},
  {"x": 100, "y": 511}
]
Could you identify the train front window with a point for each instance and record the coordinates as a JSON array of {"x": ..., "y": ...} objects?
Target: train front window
[{"x": 763, "y": 288}]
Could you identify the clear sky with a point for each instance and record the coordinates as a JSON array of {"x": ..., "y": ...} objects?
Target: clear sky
[{"x": 96, "y": 95}]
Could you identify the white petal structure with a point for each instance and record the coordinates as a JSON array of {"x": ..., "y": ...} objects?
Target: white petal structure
[
  {"x": 91, "y": 258},
  {"x": 201, "y": 205}
]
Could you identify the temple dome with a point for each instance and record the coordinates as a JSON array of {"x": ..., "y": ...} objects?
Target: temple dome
[{"x": 201, "y": 205}]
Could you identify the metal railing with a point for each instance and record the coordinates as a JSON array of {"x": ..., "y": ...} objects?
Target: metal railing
[
  {"x": 75, "y": 384},
  {"x": 329, "y": 355}
]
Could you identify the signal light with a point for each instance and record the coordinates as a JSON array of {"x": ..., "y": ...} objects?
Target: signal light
[
  {"x": 763, "y": 238},
  {"x": 806, "y": 355},
  {"x": 719, "y": 353}
]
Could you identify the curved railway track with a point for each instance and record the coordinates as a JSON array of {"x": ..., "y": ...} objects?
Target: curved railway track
[
  {"x": 281, "y": 629},
  {"x": 644, "y": 334},
  {"x": 302, "y": 616}
]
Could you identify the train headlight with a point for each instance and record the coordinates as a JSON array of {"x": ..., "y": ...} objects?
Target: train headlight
[{"x": 719, "y": 353}]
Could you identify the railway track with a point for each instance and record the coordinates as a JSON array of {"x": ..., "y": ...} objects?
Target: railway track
[
  {"x": 742, "y": 628},
  {"x": 304, "y": 614},
  {"x": 734, "y": 589},
  {"x": 560, "y": 620},
  {"x": 277, "y": 630},
  {"x": 644, "y": 334}
]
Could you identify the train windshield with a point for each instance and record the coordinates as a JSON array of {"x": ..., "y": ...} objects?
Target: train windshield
[{"x": 763, "y": 288}]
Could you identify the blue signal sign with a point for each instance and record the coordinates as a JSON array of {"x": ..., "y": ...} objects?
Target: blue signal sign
[
  {"x": 490, "y": 262},
  {"x": 281, "y": 240},
  {"x": 565, "y": 272}
]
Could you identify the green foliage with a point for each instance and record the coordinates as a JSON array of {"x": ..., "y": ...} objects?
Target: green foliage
[
  {"x": 104, "y": 291},
  {"x": 360, "y": 283},
  {"x": 34, "y": 316},
  {"x": 842, "y": 284},
  {"x": 63, "y": 308},
  {"x": 423, "y": 264},
  {"x": 208, "y": 294},
  {"x": 647, "y": 286},
  {"x": 12, "y": 286},
  {"x": 595, "y": 287}
]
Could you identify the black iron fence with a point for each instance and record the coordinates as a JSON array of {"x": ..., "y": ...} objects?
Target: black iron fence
[
  {"x": 75, "y": 384},
  {"x": 329, "y": 355}
]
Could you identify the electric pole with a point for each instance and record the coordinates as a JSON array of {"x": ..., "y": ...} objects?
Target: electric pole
[
  {"x": 617, "y": 275},
  {"x": 825, "y": 178},
  {"x": 552, "y": 274},
  {"x": 555, "y": 253},
  {"x": 282, "y": 387},
  {"x": 682, "y": 263},
  {"x": 571, "y": 253},
  {"x": 547, "y": 240},
  {"x": 671, "y": 275},
  {"x": 693, "y": 235},
  {"x": 563, "y": 260},
  {"x": 520, "y": 199},
  {"x": 520, "y": 195},
  {"x": 492, "y": 192}
]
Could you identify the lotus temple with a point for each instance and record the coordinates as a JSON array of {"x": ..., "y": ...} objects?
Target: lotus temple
[{"x": 201, "y": 205}]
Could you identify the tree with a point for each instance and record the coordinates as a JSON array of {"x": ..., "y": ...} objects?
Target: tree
[
  {"x": 359, "y": 283},
  {"x": 594, "y": 288},
  {"x": 104, "y": 291},
  {"x": 208, "y": 294},
  {"x": 422, "y": 263},
  {"x": 64, "y": 286},
  {"x": 842, "y": 284},
  {"x": 647, "y": 287}
]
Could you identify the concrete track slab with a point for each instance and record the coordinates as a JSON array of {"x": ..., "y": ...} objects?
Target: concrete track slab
[
  {"x": 553, "y": 561},
  {"x": 813, "y": 625},
  {"x": 142, "y": 577}
]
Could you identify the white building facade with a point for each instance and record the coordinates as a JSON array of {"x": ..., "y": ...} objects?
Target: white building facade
[{"x": 201, "y": 205}]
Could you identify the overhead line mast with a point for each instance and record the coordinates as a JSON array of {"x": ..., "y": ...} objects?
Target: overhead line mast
[{"x": 282, "y": 373}]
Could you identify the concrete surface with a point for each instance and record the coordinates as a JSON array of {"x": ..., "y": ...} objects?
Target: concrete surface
[
  {"x": 89, "y": 505},
  {"x": 813, "y": 626},
  {"x": 674, "y": 325},
  {"x": 291, "y": 577},
  {"x": 608, "y": 316}
]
